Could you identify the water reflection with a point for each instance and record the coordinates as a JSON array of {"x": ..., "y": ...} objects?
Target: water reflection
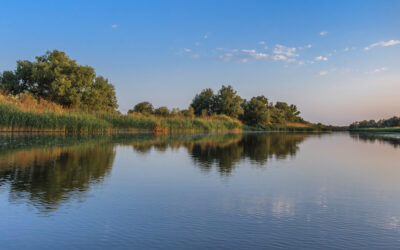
[
  {"x": 258, "y": 148},
  {"x": 386, "y": 138},
  {"x": 48, "y": 175},
  {"x": 49, "y": 170}
]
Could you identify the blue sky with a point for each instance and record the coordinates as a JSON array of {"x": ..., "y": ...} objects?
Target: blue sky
[{"x": 338, "y": 61}]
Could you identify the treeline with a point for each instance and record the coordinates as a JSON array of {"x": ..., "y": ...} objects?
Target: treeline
[
  {"x": 72, "y": 97},
  {"x": 388, "y": 123},
  {"x": 257, "y": 111}
]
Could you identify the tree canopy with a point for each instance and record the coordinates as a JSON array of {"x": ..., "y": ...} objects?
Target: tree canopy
[
  {"x": 143, "y": 107},
  {"x": 56, "y": 77},
  {"x": 204, "y": 102},
  {"x": 255, "y": 112}
]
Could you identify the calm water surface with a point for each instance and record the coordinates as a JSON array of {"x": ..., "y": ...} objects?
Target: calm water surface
[{"x": 206, "y": 191}]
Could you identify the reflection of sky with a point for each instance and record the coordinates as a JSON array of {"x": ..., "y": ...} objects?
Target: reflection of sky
[{"x": 337, "y": 192}]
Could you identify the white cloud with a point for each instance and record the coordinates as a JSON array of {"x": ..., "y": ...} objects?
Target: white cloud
[
  {"x": 259, "y": 55},
  {"x": 114, "y": 26},
  {"x": 321, "y": 58},
  {"x": 248, "y": 50},
  {"x": 279, "y": 58},
  {"x": 323, "y": 33},
  {"x": 383, "y": 44},
  {"x": 283, "y": 50},
  {"x": 322, "y": 73},
  {"x": 261, "y": 42},
  {"x": 195, "y": 56},
  {"x": 226, "y": 57},
  {"x": 187, "y": 50},
  {"x": 242, "y": 56},
  {"x": 301, "y": 62},
  {"x": 346, "y": 49},
  {"x": 379, "y": 70}
]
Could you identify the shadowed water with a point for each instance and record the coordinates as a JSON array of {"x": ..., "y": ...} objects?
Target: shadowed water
[{"x": 200, "y": 191}]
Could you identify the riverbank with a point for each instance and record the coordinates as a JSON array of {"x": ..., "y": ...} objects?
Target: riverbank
[
  {"x": 377, "y": 130},
  {"x": 26, "y": 114}
]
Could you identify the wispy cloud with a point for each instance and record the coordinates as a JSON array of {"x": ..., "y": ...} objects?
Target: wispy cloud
[
  {"x": 279, "y": 58},
  {"x": 114, "y": 26},
  {"x": 248, "y": 50},
  {"x": 321, "y": 58},
  {"x": 379, "y": 70},
  {"x": 323, "y": 73},
  {"x": 261, "y": 42},
  {"x": 323, "y": 33},
  {"x": 187, "y": 50},
  {"x": 243, "y": 55},
  {"x": 383, "y": 44},
  {"x": 283, "y": 50}
]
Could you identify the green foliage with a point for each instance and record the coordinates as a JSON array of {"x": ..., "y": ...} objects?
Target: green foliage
[
  {"x": 143, "y": 108},
  {"x": 204, "y": 102},
  {"x": 162, "y": 111},
  {"x": 56, "y": 77},
  {"x": 391, "y": 122},
  {"x": 189, "y": 112},
  {"x": 256, "y": 112},
  {"x": 227, "y": 102},
  {"x": 12, "y": 119}
]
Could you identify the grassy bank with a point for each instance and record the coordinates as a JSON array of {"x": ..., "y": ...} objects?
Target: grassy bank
[
  {"x": 24, "y": 113},
  {"x": 291, "y": 127},
  {"x": 27, "y": 114}
]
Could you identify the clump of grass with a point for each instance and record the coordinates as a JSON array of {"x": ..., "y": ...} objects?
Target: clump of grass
[
  {"x": 13, "y": 119},
  {"x": 25, "y": 113},
  {"x": 176, "y": 123}
]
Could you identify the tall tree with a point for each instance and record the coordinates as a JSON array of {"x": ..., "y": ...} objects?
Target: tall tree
[
  {"x": 56, "y": 77},
  {"x": 203, "y": 101},
  {"x": 256, "y": 111},
  {"x": 143, "y": 107},
  {"x": 228, "y": 102}
]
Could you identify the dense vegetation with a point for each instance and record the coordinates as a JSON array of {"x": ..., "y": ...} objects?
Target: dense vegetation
[
  {"x": 391, "y": 124},
  {"x": 57, "y": 78},
  {"x": 55, "y": 93}
]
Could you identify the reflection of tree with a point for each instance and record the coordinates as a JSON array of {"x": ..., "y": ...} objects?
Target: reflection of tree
[
  {"x": 256, "y": 147},
  {"x": 225, "y": 156},
  {"x": 225, "y": 150},
  {"x": 261, "y": 147},
  {"x": 49, "y": 170},
  {"x": 50, "y": 176},
  {"x": 382, "y": 138}
]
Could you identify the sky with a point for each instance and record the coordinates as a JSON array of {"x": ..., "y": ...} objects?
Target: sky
[{"x": 338, "y": 61}]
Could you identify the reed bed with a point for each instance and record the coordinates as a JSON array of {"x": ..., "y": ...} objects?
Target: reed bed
[{"x": 26, "y": 114}]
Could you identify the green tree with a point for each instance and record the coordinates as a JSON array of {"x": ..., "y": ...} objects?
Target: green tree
[
  {"x": 203, "y": 101},
  {"x": 56, "y": 77},
  {"x": 228, "y": 102},
  {"x": 256, "y": 111},
  {"x": 143, "y": 107},
  {"x": 286, "y": 113},
  {"x": 162, "y": 111},
  {"x": 100, "y": 96}
]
